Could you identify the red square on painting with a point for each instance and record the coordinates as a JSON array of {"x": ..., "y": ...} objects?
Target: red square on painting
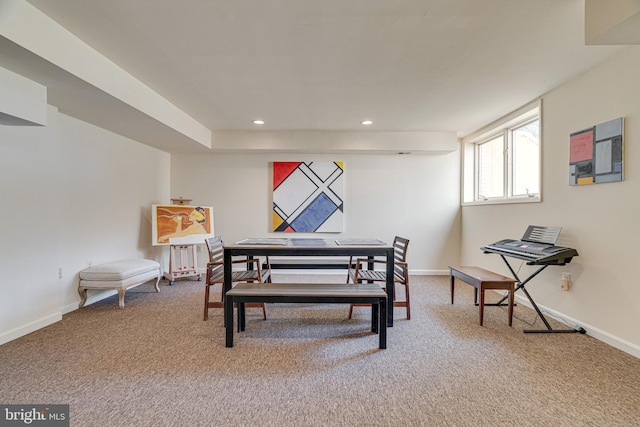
[{"x": 581, "y": 146}]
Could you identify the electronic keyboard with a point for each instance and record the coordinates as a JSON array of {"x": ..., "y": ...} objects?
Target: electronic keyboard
[
  {"x": 532, "y": 253},
  {"x": 536, "y": 247}
]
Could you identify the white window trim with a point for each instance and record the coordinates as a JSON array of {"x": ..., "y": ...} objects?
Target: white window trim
[{"x": 469, "y": 169}]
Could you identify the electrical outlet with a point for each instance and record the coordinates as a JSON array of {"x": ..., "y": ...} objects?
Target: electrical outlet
[
  {"x": 566, "y": 281},
  {"x": 60, "y": 273}
]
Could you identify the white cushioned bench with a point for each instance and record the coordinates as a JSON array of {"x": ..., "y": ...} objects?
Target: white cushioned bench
[{"x": 118, "y": 275}]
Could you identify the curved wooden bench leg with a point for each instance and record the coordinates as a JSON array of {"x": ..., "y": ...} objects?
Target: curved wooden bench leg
[
  {"x": 121, "y": 293},
  {"x": 156, "y": 285},
  {"x": 83, "y": 297}
]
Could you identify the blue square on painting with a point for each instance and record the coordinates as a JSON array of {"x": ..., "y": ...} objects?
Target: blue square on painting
[{"x": 314, "y": 215}]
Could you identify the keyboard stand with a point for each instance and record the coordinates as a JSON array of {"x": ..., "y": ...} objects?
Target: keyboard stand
[{"x": 521, "y": 285}]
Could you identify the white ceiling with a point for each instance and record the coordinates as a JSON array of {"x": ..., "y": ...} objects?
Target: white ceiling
[{"x": 408, "y": 65}]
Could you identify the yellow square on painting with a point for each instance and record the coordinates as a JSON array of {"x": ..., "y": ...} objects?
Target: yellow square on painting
[{"x": 585, "y": 181}]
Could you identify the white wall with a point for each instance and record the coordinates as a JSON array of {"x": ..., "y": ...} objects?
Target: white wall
[
  {"x": 413, "y": 196},
  {"x": 600, "y": 221},
  {"x": 70, "y": 194}
]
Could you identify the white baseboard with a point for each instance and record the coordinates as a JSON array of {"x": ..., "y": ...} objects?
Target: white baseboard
[
  {"x": 596, "y": 333},
  {"x": 95, "y": 297},
  {"x": 30, "y": 327},
  {"x": 203, "y": 271},
  {"x": 429, "y": 272},
  {"x": 332, "y": 271},
  {"x": 344, "y": 272}
]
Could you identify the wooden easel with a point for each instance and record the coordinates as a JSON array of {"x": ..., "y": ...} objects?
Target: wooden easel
[
  {"x": 187, "y": 266},
  {"x": 180, "y": 201}
]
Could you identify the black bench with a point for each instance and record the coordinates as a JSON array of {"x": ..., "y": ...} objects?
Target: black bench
[{"x": 307, "y": 293}]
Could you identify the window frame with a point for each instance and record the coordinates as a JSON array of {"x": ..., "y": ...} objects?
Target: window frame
[{"x": 470, "y": 168}]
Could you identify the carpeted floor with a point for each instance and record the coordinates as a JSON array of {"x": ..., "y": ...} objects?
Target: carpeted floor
[{"x": 157, "y": 363}]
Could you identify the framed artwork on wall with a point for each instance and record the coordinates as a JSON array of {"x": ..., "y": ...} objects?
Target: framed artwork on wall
[
  {"x": 308, "y": 197},
  {"x": 181, "y": 224},
  {"x": 596, "y": 154}
]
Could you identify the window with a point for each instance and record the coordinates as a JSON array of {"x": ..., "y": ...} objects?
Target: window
[
  {"x": 491, "y": 168},
  {"x": 501, "y": 163}
]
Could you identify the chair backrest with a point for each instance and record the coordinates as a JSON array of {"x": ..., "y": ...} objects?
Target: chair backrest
[
  {"x": 215, "y": 247},
  {"x": 215, "y": 268},
  {"x": 400, "y": 246}
]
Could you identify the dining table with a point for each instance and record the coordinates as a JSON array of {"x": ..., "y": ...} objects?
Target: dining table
[{"x": 313, "y": 247}]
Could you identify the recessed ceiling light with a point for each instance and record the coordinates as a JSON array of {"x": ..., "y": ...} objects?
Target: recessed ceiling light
[
  {"x": 366, "y": 122},
  {"x": 258, "y": 122}
]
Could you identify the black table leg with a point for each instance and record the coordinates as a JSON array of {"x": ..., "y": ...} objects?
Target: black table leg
[
  {"x": 375, "y": 317},
  {"x": 241, "y": 317},
  {"x": 390, "y": 286},
  {"x": 228, "y": 320},
  {"x": 226, "y": 285},
  {"x": 383, "y": 325}
]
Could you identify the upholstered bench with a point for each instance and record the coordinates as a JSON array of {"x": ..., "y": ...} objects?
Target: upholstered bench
[{"x": 118, "y": 275}]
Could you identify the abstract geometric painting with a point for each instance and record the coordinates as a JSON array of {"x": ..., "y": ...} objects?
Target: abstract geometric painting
[
  {"x": 308, "y": 197},
  {"x": 596, "y": 154}
]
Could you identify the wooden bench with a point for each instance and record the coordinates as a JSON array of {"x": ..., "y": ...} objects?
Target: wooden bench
[
  {"x": 482, "y": 280},
  {"x": 307, "y": 293}
]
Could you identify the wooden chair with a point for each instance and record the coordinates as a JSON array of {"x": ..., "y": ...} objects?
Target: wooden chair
[
  {"x": 358, "y": 273},
  {"x": 215, "y": 274}
]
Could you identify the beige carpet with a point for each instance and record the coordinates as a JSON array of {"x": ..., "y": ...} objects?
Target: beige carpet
[{"x": 156, "y": 363}]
